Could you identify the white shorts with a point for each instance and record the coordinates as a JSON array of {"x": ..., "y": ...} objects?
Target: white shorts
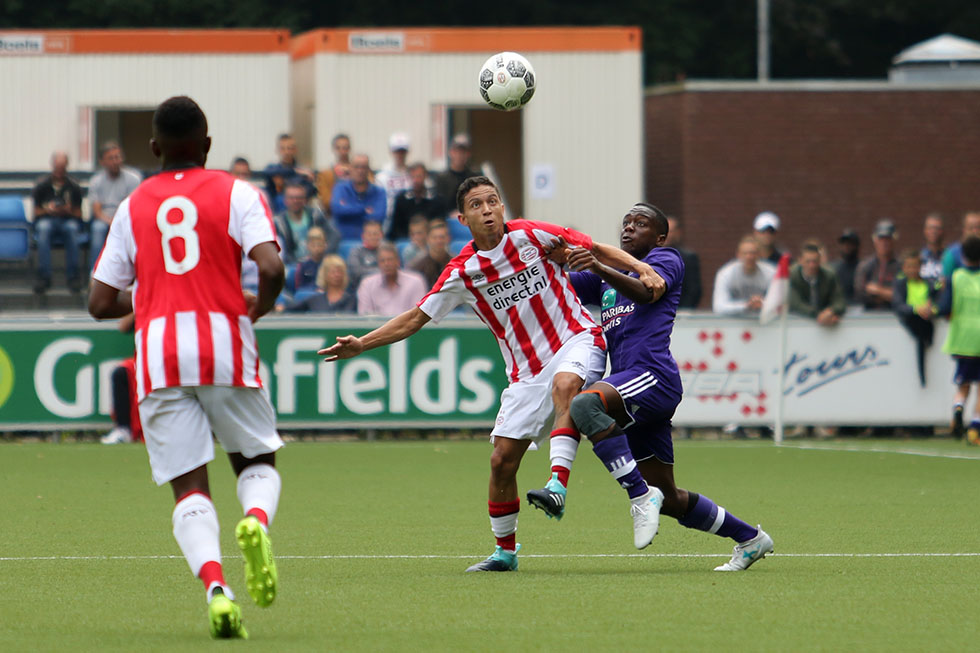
[
  {"x": 526, "y": 407},
  {"x": 178, "y": 422}
]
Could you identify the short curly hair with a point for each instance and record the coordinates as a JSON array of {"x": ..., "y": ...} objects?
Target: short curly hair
[{"x": 179, "y": 117}]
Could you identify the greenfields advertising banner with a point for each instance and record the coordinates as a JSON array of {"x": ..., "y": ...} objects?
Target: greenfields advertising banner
[{"x": 57, "y": 375}]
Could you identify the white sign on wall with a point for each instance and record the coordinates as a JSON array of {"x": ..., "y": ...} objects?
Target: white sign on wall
[
  {"x": 21, "y": 44},
  {"x": 542, "y": 181},
  {"x": 863, "y": 371}
]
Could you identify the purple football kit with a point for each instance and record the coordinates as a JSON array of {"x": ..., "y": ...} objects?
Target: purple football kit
[{"x": 644, "y": 372}]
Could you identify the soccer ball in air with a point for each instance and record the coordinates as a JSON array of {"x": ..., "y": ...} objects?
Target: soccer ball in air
[{"x": 507, "y": 81}]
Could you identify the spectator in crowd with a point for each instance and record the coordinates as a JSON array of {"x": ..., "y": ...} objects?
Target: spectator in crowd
[
  {"x": 334, "y": 294},
  {"x": 418, "y": 231},
  {"x": 309, "y": 266},
  {"x": 294, "y": 222},
  {"x": 845, "y": 267},
  {"x": 356, "y": 200},
  {"x": 288, "y": 169},
  {"x": 431, "y": 263},
  {"x": 766, "y": 225},
  {"x": 57, "y": 211},
  {"x": 953, "y": 257},
  {"x": 106, "y": 190},
  {"x": 394, "y": 177},
  {"x": 447, "y": 182},
  {"x": 875, "y": 277},
  {"x": 691, "y": 286},
  {"x": 363, "y": 259},
  {"x": 932, "y": 250},
  {"x": 389, "y": 291},
  {"x": 741, "y": 284},
  {"x": 913, "y": 300},
  {"x": 814, "y": 290},
  {"x": 417, "y": 200},
  {"x": 959, "y": 303},
  {"x": 240, "y": 169},
  {"x": 340, "y": 170}
]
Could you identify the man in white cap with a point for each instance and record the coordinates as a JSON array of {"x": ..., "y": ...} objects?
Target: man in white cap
[
  {"x": 394, "y": 176},
  {"x": 766, "y": 225}
]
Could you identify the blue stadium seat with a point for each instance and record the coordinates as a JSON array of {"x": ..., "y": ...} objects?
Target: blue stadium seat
[
  {"x": 12, "y": 209},
  {"x": 346, "y": 246},
  {"x": 456, "y": 246},
  {"x": 15, "y": 242},
  {"x": 402, "y": 244},
  {"x": 457, "y": 230}
]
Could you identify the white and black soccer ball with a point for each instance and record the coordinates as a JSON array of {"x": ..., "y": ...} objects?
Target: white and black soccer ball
[{"x": 507, "y": 81}]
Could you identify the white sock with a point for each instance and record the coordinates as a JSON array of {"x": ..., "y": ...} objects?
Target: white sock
[
  {"x": 196, "y": 531},
  {"x": 563, "y": 450},
  {"x": 504, "y": 526},
  {"x": 259, "y": 486}
]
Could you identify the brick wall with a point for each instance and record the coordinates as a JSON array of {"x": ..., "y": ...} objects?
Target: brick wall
[{"x": 822, "y": 160}]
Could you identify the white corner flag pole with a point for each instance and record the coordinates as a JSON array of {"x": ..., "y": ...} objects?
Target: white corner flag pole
[{"x": 777, "y": 436}]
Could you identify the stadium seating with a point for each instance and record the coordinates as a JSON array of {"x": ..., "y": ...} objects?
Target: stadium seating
[
  {"x": 15, "y": 232},
  {"x": 402, "y": 244},
  {"x": 456, "y": 246},
  {"x": 346, "y": 246},
  {"x": 458, "y": 231}
]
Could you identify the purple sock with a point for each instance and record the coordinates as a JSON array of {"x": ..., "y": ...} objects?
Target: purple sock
[
  {"x": 615, "y": 454},
  {"x": 706, "y": 516}
]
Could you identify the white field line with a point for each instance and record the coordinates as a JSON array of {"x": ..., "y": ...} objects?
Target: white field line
[
  {"x": 903, "y": 452},
  {"x": 476, "y": 555}
]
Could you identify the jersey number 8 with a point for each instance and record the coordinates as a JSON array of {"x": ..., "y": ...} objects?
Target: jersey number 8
[{"x": 184, "y": 229}]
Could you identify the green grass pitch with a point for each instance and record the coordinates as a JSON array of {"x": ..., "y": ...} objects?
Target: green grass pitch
[{"x": 372, "y": 540}]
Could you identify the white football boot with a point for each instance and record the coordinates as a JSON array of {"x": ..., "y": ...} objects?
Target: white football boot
[
  {"x": 646, "y": 516},
  {"x": 748, "y": 552}
]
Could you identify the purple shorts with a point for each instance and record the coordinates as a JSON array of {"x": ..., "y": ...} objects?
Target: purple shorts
[
  {"x": 967, "y": 370},
  {"x": 650, "y": 407}
]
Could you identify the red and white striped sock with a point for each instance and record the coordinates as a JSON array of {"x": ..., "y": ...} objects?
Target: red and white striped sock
[
  {"x": 564, "y": 446},
  {"x": 503, "y": 523}
]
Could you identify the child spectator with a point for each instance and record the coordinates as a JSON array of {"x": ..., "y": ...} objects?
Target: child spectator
[
  {"x": 961, "y": 303},
  {"x": 913, "y": 301},
  {"x": 418, "y": 228},
  {"x": 316, "y": 248}
]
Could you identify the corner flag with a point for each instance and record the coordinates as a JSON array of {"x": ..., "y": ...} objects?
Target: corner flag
[{"x": 777, "y": 295}]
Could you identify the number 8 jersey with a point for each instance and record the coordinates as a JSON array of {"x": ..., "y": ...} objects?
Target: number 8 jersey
[{"x": 179, "y": 239}]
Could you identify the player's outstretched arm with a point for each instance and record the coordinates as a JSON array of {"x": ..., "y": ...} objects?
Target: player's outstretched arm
[
  {"x": 272, "y": 276},
  {"x": 395, "y": 329},
  {"x": 620, "y": 260},
  {"x": 582, "y": 259}
]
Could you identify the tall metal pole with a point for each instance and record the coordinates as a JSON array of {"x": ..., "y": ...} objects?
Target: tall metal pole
[{"x": 762, "y": 35}]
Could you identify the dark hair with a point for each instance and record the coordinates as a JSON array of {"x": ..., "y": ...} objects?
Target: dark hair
[
  {"x": 333, "y": 141},
  {"x": 240, "y": 159},
  {"x": 293, "y": 184},
  {"x": 417, "y": 165},
  {"x": 469, "y": 184},
  {"x": 178, "y": 118},
  {"x": 284, "y": 137},
  {"x": 659, "y": 218},
  {"x": 971, "y": 249},
  {"x": 437, "y": 223},
  {"x": 107, "y": 147}
]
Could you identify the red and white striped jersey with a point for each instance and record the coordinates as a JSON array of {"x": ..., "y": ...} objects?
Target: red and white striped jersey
[
  {"x": 180, "y": 236},
  {"x": 524, "y": 298}
]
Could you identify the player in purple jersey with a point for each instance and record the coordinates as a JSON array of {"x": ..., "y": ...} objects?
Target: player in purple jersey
[{"x": 637, "y": 400}]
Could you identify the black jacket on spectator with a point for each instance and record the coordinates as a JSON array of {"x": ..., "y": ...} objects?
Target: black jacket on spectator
[
  {"x": 408, "y": 204},
  {"x": 691, "y": 286}
]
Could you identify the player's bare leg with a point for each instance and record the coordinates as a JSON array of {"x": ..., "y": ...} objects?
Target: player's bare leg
[
  {"x": 196, "y": 530},
  {"x": 701, "y": 513},
  {"x": 258, "y": 491},
  {"x": 564, "y": 445},
  {"x": 504, "y": 504}
]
